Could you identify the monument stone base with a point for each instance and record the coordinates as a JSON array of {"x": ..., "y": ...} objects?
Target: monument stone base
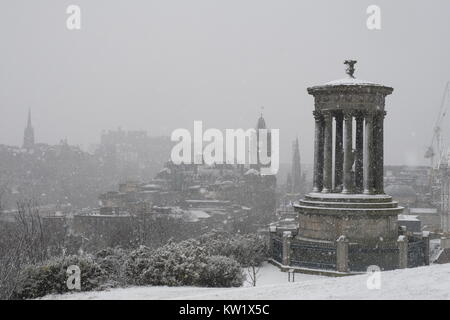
[{"x": 358, "y": 217}]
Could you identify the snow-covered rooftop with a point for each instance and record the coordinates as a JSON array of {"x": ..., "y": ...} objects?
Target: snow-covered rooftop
[
  {"x": 407, "y": 217},
  {"x": 198, "y": 214}
]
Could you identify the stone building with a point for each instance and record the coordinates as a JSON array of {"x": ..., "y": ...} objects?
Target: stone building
[
  {"x": 347, "y": 223},
  {"x": 410, "y": 185},
  {"x": 260, "y": 153}
]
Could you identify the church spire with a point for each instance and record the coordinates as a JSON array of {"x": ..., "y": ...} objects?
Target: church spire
[
  {"x": 296, "y": 171},
  {"x": 261, "y": 124},
  {"x": 28, "y": 136}
]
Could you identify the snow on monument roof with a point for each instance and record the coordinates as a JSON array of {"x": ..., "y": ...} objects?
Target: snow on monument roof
[{"x": 350, "y": 82}]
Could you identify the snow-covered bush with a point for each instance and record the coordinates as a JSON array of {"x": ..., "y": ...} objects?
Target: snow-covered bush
[
  {"x": 112, "y": 261},
  {"x": 136, "y": 263},
  {"x": 220, "y": 271},
  {"x": 50, "y": 277},
  {"x": 175, "y": 264},
  {"x": 214, "y": 260},
  {"x": 186, "y": 263}
]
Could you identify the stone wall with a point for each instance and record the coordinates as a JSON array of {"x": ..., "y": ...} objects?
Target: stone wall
[{"x": 342, "y": 255}]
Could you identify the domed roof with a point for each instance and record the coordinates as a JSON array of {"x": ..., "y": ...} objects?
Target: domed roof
[{"x": 349, "y": 81}]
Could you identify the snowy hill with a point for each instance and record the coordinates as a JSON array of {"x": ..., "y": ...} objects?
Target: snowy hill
[{"x": 420, "y": 283}]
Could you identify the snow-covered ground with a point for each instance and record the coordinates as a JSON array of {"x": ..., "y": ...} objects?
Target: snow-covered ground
[{"x": 419, "y": 283}]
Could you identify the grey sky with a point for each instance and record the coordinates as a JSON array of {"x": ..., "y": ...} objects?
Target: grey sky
[{"x": 160, "y": 65}]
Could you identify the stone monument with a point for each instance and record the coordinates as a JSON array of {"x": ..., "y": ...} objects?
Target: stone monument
[
  {"x": 347, "y": 222},
  {"x": 348, "y": 197}
]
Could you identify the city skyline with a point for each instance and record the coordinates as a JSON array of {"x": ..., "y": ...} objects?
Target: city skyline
[{"x": 154, "y": 66}]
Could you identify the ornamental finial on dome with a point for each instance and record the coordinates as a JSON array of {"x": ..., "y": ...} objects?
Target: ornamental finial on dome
[{"x": 350, "y": 67}]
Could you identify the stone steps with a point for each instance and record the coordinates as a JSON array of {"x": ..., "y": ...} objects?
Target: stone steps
[
  {"x": 358, "y": 205},
  {"x": 330, "y": 210},
  {"x": 348, "y": 198}
]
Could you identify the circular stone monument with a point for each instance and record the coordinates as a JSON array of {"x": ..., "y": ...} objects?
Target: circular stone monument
[
  {"x": 347, "y": 223},
  {"x": 348, "y": 198}
]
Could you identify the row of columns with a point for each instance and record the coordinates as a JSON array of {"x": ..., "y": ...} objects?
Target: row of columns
[{"x": 366, "y": 156}]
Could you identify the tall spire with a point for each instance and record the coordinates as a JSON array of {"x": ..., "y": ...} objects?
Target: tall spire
[
  {"x": 296, "y": 171},
  {"x": 261, "y": 125},
  {"x": 28, "y": 136}
]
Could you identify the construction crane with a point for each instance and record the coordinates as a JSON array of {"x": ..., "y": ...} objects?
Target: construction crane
[{"x": 436, "y": 140}]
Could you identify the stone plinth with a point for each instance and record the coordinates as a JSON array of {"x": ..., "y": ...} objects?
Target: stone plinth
[{"x": 361, "y": 218}]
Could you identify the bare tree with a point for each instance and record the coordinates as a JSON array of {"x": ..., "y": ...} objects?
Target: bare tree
[
  {"x": 11, "y": 261},
  {"x": 31, "y": 230},
  {"x": 3, "y": 189},
  {"x": 22, "y": 242},
  {"x": 252, "y": 256},
  {"x": 253, "y": 274}
]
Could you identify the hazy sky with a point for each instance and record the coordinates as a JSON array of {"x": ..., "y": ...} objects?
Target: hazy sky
[{"x": 160, "y": 65}]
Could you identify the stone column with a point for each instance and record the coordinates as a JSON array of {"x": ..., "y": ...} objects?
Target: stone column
[
  {"x": 286, "y": 248},
  {"x": 318, "y": 152},
  {"x": 342, "y": 254},
  {"x": 402, "y": 244},
  {"x": 369, "y": 158},
  {"x": 338, "y": 153},
  {"x": 359, "y": 149},
  {"x": 328, "y": 153},
  {"x": 348, "y": 161},
  {"x": 378, "y": 152}
]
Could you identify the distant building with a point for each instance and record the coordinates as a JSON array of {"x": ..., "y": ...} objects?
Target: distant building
[
  {"x": 405, "y": 181},
  {"x": 132, "y": 154},
  {"x": 403, "y": 193},
  {"x": 429, "y": 217},
  {"x": 410, "y": 222},
  {"x": 239, "y": 190},
  {"x": 261, "y": 154}
]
